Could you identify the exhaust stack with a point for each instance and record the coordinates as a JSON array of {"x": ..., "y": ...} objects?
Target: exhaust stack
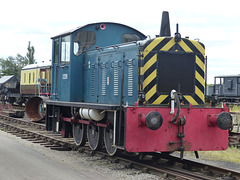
[{"x": 165, "y": 25}]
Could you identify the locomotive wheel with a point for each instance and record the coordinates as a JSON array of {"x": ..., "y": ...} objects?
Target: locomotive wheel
[
  {"x": 80, "y": 134},
  {"x": 108, "y": 141},
  {"x": 94, "y": 136}
]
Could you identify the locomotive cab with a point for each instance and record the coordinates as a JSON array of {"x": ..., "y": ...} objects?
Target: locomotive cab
[{"x": 71, "y": 61}]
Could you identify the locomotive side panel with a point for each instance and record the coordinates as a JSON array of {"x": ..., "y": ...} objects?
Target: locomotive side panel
[
  {"x": 108, "y": 91},
  {"x": 103, "y": 72},
  {"x": 90, "y": 71}
]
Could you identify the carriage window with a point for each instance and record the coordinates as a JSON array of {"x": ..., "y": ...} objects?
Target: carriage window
[
  {"x": 238, "y": 80},
  {"x": 29, "y": 78},
  {"x": 220, "y": 80},
  {"x": 56, "y": 51},
  {"x": 24, "y": 77},
  {"x": 129, "y": 38},
  {"x": 83, "y": 40},
  {"x": 65, "y": 50},
  {"x": 43, "y": 75}
]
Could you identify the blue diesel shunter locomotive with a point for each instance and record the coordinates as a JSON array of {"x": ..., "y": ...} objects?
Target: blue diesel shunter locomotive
[{"x": 113, "y": 85}]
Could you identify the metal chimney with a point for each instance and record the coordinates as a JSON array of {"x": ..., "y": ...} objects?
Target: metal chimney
[{"x": 165, "y": 25}]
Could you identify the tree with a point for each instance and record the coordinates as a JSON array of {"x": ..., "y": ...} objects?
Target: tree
[
  {"x": 9, "y": 66},
  {"x": 30, "y": 53},
  {"x": 13, "y": 65},
  {"x": 21, "y": 61}
]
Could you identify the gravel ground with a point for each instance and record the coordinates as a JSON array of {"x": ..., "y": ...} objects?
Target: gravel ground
[{"x": 84, "y": 162}]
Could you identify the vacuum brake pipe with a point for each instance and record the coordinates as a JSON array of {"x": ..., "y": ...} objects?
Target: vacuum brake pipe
[{"x": 174, "y": 96}]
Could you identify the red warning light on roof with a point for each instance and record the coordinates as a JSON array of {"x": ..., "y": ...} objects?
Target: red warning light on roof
[{"x": 102, "y": 26}]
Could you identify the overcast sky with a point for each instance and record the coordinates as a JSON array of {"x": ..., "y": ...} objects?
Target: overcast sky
[{"x": 215, "y": 23}]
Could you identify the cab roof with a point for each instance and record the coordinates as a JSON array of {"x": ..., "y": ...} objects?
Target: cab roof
[{"x": 96, "y": 27}]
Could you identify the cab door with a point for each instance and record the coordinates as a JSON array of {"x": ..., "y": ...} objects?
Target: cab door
[
  {"x": 55, "y": 64},
  {"x": 61, "y": 69}
]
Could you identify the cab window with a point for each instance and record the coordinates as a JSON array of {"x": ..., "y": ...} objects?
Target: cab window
[
  {"x": 129, "y": 38},
  {"x": 82, "y": 41},
  {"x": 65, "y": 50},
  {"x": 56, "y": 51}
]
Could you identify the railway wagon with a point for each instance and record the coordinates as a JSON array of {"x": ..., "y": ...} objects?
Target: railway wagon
[
  {"x": 112, "y": 85},
  {"x": 227, "y": 88},
  {"x": 9, "y": 88}
]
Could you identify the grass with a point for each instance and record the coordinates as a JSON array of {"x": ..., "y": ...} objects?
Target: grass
[
  {"x": 234, "y": 108},
  {"x": 232, "y": 154}
]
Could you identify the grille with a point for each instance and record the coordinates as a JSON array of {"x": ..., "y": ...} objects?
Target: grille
[
  {"x": 104, "y": 81},
  {"x": 115, "y": 79},
  {"x": 92, "y": 80},
  {"x": 176, "y": 71},
  {"x": 130, "y": 77}
]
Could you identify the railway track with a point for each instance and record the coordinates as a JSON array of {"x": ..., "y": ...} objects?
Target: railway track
[
  {"x": 234, "y": 135},
  {"x": 234, "y": 139},
  {"x": 168, "y": 167}
]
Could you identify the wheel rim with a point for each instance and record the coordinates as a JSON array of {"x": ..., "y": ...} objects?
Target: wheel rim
[
  {"x": 94, "y": 135},
  {"x": 108, "y": 141},
  {"x": 79, "y": 134}
]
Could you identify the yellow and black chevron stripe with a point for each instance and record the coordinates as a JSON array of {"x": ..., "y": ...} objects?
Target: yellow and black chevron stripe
[{"x": 148, "y": 69}]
